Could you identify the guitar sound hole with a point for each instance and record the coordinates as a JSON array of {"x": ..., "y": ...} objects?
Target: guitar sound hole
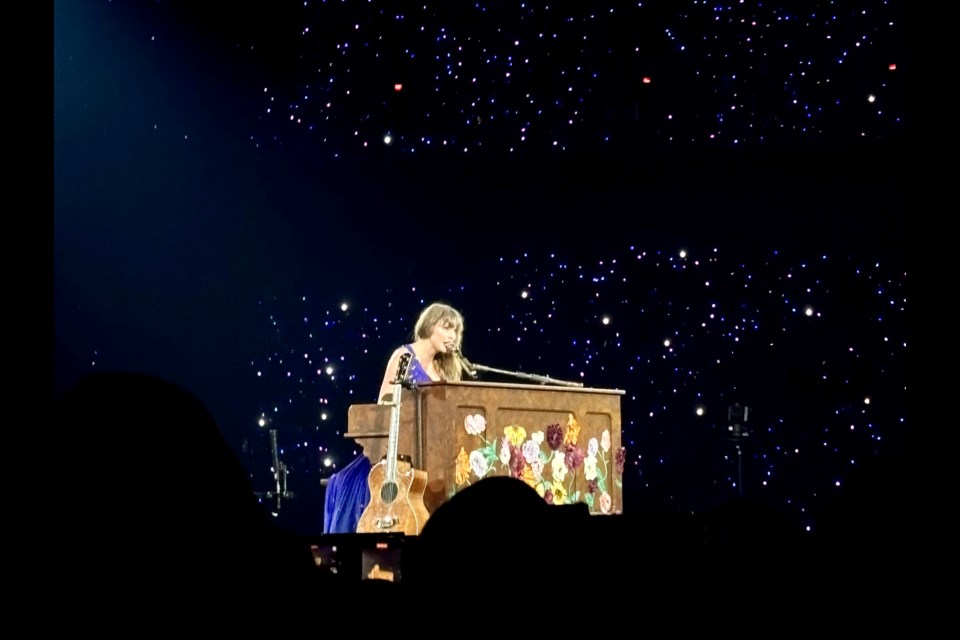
[{"x": 389, "y": 491}]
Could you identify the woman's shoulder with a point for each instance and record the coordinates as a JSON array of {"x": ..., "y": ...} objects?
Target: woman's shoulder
[
  {"x": 402, "y": 349},
  {"x": 394, "y": 360}
]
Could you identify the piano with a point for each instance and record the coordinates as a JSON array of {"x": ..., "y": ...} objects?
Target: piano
[{"x": 562, "y": 440}]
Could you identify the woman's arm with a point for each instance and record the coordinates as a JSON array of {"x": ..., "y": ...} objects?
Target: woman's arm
[{"x": 389, "y": 374}]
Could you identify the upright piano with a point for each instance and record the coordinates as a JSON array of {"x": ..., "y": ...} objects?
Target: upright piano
[{"x": 563, "y": 441}]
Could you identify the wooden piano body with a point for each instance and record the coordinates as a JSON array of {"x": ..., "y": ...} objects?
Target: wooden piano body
[{"x": 459, "y": 432}]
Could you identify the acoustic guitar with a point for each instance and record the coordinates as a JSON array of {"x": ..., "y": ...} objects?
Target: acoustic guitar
[{"x": 396, "y": 487}]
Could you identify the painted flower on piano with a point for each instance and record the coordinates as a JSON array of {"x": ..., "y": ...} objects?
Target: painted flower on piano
[
  {"x": 554, "y": 471},
  {"x": 475, "y": 424}
]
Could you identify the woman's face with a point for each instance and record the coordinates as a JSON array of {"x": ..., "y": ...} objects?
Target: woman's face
[{"x": 444, "y": 337}]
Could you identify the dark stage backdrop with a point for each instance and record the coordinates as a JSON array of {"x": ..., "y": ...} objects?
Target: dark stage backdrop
[{"x": 203, "y": 235}]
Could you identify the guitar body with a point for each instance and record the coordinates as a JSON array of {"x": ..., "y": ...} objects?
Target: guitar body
[{"x": 396, "y": 503}]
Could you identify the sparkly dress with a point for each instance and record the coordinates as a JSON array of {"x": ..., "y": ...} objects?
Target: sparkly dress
[{"x": 348, "y": 491}]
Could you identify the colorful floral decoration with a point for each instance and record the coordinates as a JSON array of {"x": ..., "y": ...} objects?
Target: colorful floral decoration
[{"x": 550, "y": 461}]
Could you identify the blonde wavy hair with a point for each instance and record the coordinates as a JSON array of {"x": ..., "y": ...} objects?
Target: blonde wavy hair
[{"x": 448, "y": 364}]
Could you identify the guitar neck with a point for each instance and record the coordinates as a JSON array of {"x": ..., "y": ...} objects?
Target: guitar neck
[{"x": 394, "y": 434}]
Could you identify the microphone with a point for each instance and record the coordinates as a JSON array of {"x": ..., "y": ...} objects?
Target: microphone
[{"x": 467, "y": 365}]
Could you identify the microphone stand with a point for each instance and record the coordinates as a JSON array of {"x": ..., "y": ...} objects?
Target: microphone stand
[
  {"x": 519, "y": 374},
  {"x": 280, "y": 471}
]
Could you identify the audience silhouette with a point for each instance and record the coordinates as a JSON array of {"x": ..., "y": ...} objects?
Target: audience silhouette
[{"x": 154, "y": 496}]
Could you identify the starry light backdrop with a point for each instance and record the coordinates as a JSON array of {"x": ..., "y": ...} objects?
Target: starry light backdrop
[
  {"x": 813, "y": 346},
  {"x": 701, "y": 204},
  {"x": 512, "y": 77}
]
